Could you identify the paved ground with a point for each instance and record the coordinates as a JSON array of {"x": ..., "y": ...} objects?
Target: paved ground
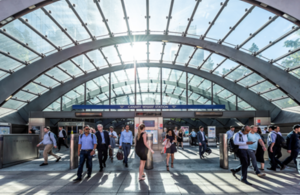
[{"x": 190, "y": 176}]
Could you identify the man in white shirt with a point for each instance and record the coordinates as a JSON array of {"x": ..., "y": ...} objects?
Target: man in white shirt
[
  {"x": 62, "y": 136},
  {"x": 230, "y": 132},
  {"x": 241, "y": 139}
]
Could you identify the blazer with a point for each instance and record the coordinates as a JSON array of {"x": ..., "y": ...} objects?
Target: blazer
[
  {"x": 200, "y": 138},
  {"x": 99, "y": 138},
  {"x": 292, "y": 141}
]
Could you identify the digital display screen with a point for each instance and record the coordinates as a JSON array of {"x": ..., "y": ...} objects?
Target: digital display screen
[
  {"x": 88, "y": 114},
  {"x": 149, "y": 123}
]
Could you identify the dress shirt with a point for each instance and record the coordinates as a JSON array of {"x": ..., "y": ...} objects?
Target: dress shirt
[
  {"x": 229, "y": 134},
  {"x": 102, "y": 136},
  {"x": 126, "y": 137},
  {"x": 194, "y": 134},
  {"x": 242, "y": 143},
  {"x": 87, "y": 141},
  {"x": 49, "y": 139},
  {"x": 113, "y": 133},
  {"x": 60, "y": 134},
  {"x": 203, "y": 136},
  {"x": 272, "y": 137}
]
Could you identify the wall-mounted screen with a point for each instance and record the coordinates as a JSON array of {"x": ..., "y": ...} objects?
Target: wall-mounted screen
[{"x": 149, "y": 123}]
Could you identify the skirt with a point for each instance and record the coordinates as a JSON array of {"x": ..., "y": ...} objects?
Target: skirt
[
  {"x": 142, "y": 153},
  {"x": 179, "y": 140},
  {"x": 172, "y": 149},
  {"x": 260, "y": 154},
  {"x": 112, "y": 142}
]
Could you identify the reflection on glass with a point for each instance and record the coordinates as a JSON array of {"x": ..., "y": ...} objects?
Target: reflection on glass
[
  {"x": 225, "y": 67},
  {"x": 54, "y": 106},
  {"x": 184, "y": 54},
  {"x": 73, "y": 97},
  {"x": 111, "y": 53},
  {"x": 285, "y": 103},
  {"x": 169, "y": 52},
  {"x": 158, "y": 11},
  {"x": 212, "y": 62},
  {"x": 13, "y": 104}
]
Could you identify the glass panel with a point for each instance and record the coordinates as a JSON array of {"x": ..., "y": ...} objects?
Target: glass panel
[
  {"x": 54, "y": 106},
  {"x": 137, "y": 20},
  {"x": 158, "y": 11},
  {"x": 257, "y": 18},
  {"x": 113, "y": 11},
  {"x": 90, "y": 15},
  {"x": 84, "y": 63},
  {"x": 140, "y": 51},
  {"x": 262, "y": 87},
  {"x": 285, "y": 103},
  {"x": 296, "y": 73},
  {"x": 212, "y": 62},
  {"x": 58, "y": 74},
  {"x": 41, "y": 22},
  {"x": 169, "y": 52},
  {"x": 98, "y": 59},
  {"x": 3, "y": 75},
  {"x": 46, "y": 81},
  {"x": 230, "y": 15},
  {"x": 242, "y": 105},
  {"x": 73, "y": 97},
  {"x": 155, "y": 49},
  {"x": 205, "y": 13},
  {"x": 182, "y": 10},
  {"x": 274, "y": 94},
  {"x": 16, "y": 50},
  {"x": 250, "y": 80},
  {"x": 126, "y": 52},
  {"x": 35, "y": 88},
  {"x": 24, "y": 34},
  {"x": 21, "y": 95},
  {"x": 226, "y": 67},
  {"x": 64, "y": 15},
  {"x": 194, "y": 81},
  {"x": 8, "y": 63},
  {"x": 184, "y": 54},
  {"x": 12, "y": 104},
  {"x": 197, "y": 59},
  {"x": 206, "y": 84},
  {"x": 71, "y": 68},
  {"x": 292, "y": 60},
  {"x": 111, "y": 53},
  {"x": 238, "y": 73}
]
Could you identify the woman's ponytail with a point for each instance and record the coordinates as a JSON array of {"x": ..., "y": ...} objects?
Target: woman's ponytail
[{"x": 140, "y": 128}]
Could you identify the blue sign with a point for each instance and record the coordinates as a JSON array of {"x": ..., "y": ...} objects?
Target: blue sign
[{"x": 81, "y": 107}]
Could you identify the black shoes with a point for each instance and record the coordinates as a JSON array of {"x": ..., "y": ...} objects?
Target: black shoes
[
  {"x": 246, "y": 182},
  {"x": 77, "y": 179},
  {"x": 101, "y": 169},
  {"x": 233, "y": 172},
  {"x": 126, "y": 165},
  {"x": 58, "y": 159},
  {"x": 271, "y": 169},
  {"x": 43, "y": 164},
  {"x": 282, "y": 168},
  {"x": 88, "y": 177}
]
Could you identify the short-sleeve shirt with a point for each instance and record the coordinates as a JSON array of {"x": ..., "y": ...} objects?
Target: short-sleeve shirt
[
  {"x": 253, "y": 137},
  {"x": 87, "y": 142}
]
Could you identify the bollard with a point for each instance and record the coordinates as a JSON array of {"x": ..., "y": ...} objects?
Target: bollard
[
  {"x": 74, "y": 151},
  {"x": 149, "y": 162},
  {"x": 223, "y": 151}
]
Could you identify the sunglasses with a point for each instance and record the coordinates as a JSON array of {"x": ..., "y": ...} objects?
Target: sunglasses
[{"x": 86, "y": 129}]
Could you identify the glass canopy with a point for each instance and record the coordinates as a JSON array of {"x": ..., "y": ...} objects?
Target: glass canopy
[{"x": 64, "y": 24}]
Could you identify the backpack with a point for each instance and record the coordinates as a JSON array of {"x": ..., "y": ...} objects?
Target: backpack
[
  {"x": 54, "y": 137},
  {"x": 280, "y": 142},
  {"x": 91, "y": 134},
  {"x": 232, "y": 147}
]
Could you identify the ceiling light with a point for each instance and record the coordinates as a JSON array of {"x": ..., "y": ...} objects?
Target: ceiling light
[
  {"x": 264, "y": 5},
  {"x": 3, "y": 22},
  {"x": 199, "y": 47},
  {"x": 32, "y": 7},
  {"x": 289, "y": 17},
  {"x": 9, "y": 18},
  {"x": 8, "y": 98},
  {"x": 165, "y": 41}
]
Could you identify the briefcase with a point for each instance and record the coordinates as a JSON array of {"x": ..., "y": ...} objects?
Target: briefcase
[{"x": 120, "y": 155}]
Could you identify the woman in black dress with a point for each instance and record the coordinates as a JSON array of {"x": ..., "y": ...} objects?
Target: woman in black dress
[
  {"x": 180, "y": 138},
  {"x": 171, "y": 138},
  {"x": 260, "y": 152},
  {"x": 141, "y": 149}
]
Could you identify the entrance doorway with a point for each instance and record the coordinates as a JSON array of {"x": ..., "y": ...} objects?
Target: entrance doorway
[{"x": 154, "y": 125}]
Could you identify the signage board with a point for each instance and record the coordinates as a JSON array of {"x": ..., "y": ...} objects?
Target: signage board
[
  {"x": 88, "y": 114},
  {"x": 211, "y": 132},
  {"x": 155, "y": 136},
  {"x": 81, "y": 107}
]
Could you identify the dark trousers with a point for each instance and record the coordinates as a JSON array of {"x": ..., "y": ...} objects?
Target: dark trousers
[
  {"x": 85, "y": 155},
  {"x": 293, "y": 156},
  {"x": 61, "y": 141},
  {"x": 194, "y": 141},
  {"x": 273, "y": 157},
  {"x": 126, "y": 150},
  {"x": 202, "y": 148},
  {"x": 245, "y": 162},
  {"x": 102, "y": 154}
]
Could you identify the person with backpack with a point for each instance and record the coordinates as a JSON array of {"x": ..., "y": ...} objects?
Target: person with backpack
[
  {"x": 49, "y": 141},
  {"x": 292, "y": 142},
  {"x": 275, "y": 142},
  {"x": 241, "y": 143},
  {"x": 62, "y": 136},
  {"x": 87, "y": 145}
]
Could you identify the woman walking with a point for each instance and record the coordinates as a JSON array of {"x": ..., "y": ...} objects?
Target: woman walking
[
  {"x": 141, "y": 150},
  {"x": 171, "y": 138},
  {"x": 112, "y": 135},
  {"x": 180, "y": 138},
  {"x": 260, "y": 152}
]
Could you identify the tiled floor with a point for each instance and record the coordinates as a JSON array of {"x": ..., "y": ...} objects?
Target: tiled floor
[{"x": 190, "y": 176}]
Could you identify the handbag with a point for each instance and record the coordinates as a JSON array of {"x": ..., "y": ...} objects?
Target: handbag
[
  {"x": 110, "y": 151},
  {"x": 120, "y": 155}
]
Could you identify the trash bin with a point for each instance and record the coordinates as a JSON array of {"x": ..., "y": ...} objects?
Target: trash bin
[
  {"x": 74, "y": 138},
  {"x": 298, "y": 163},
  {"x": 149, "y": 162},
  {"x": 223, "y": 151}
]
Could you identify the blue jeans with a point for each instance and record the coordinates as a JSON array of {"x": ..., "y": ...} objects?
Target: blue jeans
[
  {"x": 85, "y": 155},
  {"x": 202, "y": 148},
  {"x": 126, "y": 149},
  {"x": 253, "y": 160}
]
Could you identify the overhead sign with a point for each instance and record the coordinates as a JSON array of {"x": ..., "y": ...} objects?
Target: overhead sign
[
  {"x": 204, "y": 113},
  {"x": 81, "y": 107},
  {"x": 88, "y": 114}
]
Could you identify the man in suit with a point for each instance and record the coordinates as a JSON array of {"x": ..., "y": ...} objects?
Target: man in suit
[
  {"x": 202, "y": 141},
  {"x": 292, "y": 142},
  {"x": 102, "y": 146},
  {"x": 62, "y": 136}
]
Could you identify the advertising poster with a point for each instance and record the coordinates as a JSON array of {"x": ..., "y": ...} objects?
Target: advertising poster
[
  {"x": 211, "y": 131},
  {"x": 185, "y": 130},
  {"x": 155, "y": 137},
  {"x": 4, "y": 130}
]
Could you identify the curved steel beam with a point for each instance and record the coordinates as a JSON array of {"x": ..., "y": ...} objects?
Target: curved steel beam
[
  {"x": 250, "y": 97},
  {"x": 288, "y": 83},
  {"x": 93, "y": 93}
]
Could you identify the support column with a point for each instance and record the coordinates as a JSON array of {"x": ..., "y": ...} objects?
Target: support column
[
  {"x": 161, "y": 99},
  {"x": 109, "y": 88},
  {"x": 84, "y": 102},
  {"x": 186, "y": 91},
  {"x": 212, "y": 94}
]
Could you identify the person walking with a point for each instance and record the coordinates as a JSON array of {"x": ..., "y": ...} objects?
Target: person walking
[
  {"x": 112, "y": 136},
  {"x": 274, "y": 146},
  {"x": 193, "y": 135},
  {"x": 260, "y": 151},
  {"x": 241, "y": 139},
  {"x": 180, "y": 138},
  {"x": 141, "y": 149},
  {"x": 49, "y": 141},
  {"x": 171, "y": 139},
  {"x": 202, "y": 141},
  {"x": 62, "y": 136},
  {"x": 125, "y": 143},
  {"x": 86, "y": 149},
  {"x": 230, "y": 132},
  {"x": 254, "y": 137},
  {"x": 292, "y": 142},
  {"x": 103, "y": 143}
]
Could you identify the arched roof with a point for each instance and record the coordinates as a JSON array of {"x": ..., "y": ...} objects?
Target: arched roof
[{"x": 60, "y": 41}]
